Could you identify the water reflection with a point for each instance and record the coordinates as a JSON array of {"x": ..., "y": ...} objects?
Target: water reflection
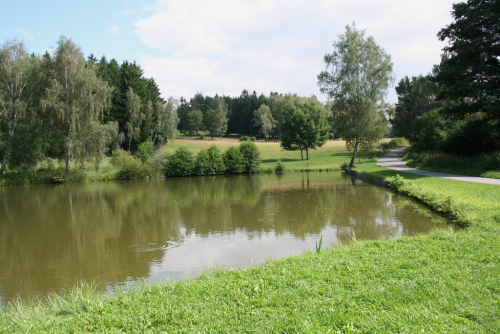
[{"x": 115, "y": 232}]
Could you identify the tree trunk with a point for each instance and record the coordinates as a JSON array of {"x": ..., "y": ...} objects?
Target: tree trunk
[
  {"x": 354, "y": 153},
  {"x": 301, "y": 155},
  {"x": 4, "y": 161},
  {"x": 307, "y": 154}
]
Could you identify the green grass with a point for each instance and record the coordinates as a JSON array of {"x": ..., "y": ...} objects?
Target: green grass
[{"x": 445, "y": 282}]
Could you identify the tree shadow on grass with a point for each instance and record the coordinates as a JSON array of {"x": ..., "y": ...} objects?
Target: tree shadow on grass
[{"x": 282, "y": 160}]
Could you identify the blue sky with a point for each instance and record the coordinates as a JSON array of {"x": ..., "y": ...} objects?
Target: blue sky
[{"x": 226, "y": 46}]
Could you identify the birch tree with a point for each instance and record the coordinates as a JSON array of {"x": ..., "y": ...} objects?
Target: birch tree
[
  {"x": 17, "y": 81},
  {"x": 264, "y": 120},
  {"x": 76, "y": 98},
  {"x": 357, "y": 76}
]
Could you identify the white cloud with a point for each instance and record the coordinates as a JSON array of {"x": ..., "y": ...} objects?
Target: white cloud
[
  {"x": 24, "y": 34},
  {"x": 277, "y": 45},
  {"x": 113, "y": 30}
]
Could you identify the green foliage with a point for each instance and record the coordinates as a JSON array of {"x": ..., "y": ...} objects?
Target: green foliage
[
  {"x": 416, "y": 96},
  {"x": 393, "y": 143},
  {"x": 304, "y": 126},
  {"x": 468, "y": 73},
  {"x": 145, "y": 151},
  {"x": 251, "y": 156},
  {"x": 209, "y": 162},
  {"x": 357, "y": 76},
  {"x": 233, "y": 160},
  {"x": 76, "y": 98},
  {"x": 344, "y": 165},
  {"x": 280, "y": 167},
  {"x": 130, "y": 167},
  {"x": 479, "y": 165},
  {"x": 180, "y": 163},
  {"x": 245, "y": 138},
  {"x": 264, "y": 120}
]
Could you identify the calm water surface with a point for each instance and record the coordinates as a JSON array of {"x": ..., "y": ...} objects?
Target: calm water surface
[{"x": 113, "y": 233}]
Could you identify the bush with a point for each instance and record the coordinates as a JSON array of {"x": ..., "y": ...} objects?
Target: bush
[
  {"x": 209, "y": 162},
  {"x": 233, "y": 160},
  {"x": 246, "y": 138},
  {"x": 130, "y": 168},
  {"x": 180, "y": 163},
  {"x": 145, "y": 151},
  {"x": 280, "y": 167},
  {"x": 251, "y": 157}
]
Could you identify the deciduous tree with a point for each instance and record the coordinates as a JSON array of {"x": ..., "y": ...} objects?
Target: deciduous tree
[
  {"x": 304, "y": 126},
  {"x": 17, "y": 86},
  {"x": 264, "y": 120},
  {"x": 76, "y": 97},
  {"x": 357, "y": 76}
]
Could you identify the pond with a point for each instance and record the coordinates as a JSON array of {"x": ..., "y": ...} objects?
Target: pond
[{"x": 114, "y": 233}]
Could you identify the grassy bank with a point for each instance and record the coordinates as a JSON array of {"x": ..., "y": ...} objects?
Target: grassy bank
[{"x": 444, "y": 282}]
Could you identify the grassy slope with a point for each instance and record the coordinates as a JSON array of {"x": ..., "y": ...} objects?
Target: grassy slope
[{"x": 445, "y": 282}]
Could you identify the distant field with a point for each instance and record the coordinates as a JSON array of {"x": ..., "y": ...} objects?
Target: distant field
[{"x": 330, "y": 156}]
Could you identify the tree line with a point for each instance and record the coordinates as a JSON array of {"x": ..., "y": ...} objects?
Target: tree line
[{"x": 64, "y": 106}]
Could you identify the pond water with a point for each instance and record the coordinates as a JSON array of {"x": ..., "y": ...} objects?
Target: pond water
[{"x": 113, "y": 233}]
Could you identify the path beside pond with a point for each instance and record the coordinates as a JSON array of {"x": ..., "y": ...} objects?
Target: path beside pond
[{"x": 393, "y": 160}]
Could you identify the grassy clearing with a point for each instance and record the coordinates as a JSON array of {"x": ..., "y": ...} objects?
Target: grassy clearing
[
  {"x": 444, "y": 282},
  {"x": 330, "y": 156}
]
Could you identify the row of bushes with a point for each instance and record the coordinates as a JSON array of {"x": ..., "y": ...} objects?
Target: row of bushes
[
  {"x": 393, "y": 143},
  {"x": 244, "y": 158}
]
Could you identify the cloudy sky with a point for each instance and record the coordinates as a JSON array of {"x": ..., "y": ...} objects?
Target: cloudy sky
[{"x": 226, "y": 46}]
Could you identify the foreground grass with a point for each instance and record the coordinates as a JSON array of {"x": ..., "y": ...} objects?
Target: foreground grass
[{"x": 444, "y": 282}]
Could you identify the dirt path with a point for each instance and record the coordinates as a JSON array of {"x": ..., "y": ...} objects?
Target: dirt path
[{"x": 392, "y": 160}]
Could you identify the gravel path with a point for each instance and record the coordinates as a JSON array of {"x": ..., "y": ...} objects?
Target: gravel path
[{"x": 392, "y": 160}]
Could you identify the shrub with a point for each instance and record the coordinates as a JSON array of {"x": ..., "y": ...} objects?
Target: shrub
[
  {"x": 280, "y": 167},
  {"x": 251, "y": 156},
  {"x": 180, "y": 163},
  {"x": 145, "y": 151},
  {"x": 209, "y": 162},
  {"x": 344, "y": 165},
  {"x": 233, "y": 160},
  {"x": 246, "y": 138},
  {"x": 130, "y": 168}
]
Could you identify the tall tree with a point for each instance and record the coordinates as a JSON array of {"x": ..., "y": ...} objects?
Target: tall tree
[
  {"x": 18, "y": 72},
  {"x": 76, "y": 96},
  {"x": 416, "y": 96},
  {"x": 135, "y": 117},
  {"x": 469, "y": 72},
  {"x": 304, "y": 126},
  {"x": 264, "y": 120},
  {"x": 357, "y": 76},
  {"x": 165, "y": 121},
  {"x": 215, "y": 120}
]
